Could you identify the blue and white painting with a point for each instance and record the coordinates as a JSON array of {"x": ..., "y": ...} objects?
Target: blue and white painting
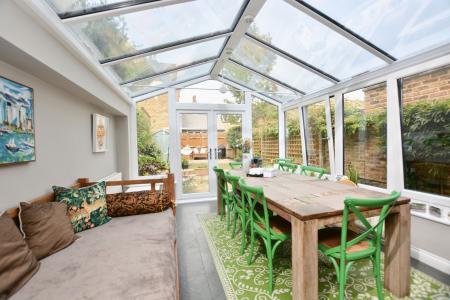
[{"x": 17, "y": 142}]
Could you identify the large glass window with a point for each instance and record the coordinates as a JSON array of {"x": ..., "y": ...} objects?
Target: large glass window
[
  {"x": 425, "y": 104},
  {"x": 118, "y": 35},
  {"x": 257, "y": 82},
  {"x": 365, "y": 134},
  {"x": 153, "y": 135},
  {"x": 148, "y": 85},
  {"x": 268, "y": 62},
  {"x": 293, "y": 139},
  {"x": 400, "y": 27},
  {"x": 289, "y": 29},
  {"x": 316, "y": 135},
  {"x": 165, "y": 61},
  {"x": 212, "y": 92},
  {"x": 265, "y": 130}
]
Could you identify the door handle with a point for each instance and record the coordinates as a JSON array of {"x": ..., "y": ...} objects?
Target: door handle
[
  {"x": 210, "y": 155},
  {"x": 215, "y": 152}
]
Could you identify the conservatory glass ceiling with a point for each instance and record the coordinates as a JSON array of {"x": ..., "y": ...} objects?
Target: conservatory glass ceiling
[{"x": 287, "y": 48}]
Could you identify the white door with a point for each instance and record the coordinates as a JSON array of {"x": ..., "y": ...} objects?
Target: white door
[{"x": 206, "y": 138}]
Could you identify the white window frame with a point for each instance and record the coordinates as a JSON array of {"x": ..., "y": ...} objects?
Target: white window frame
[{"x": 394, "y": 172}]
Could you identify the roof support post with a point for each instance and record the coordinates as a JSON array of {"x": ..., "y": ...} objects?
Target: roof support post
[{"x": 242, "y": 25}]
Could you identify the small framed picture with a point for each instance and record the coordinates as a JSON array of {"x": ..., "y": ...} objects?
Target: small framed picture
[{"x": 99, "y": 133}]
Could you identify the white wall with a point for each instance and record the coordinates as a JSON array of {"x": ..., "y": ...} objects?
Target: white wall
[{"x": 63, "y": 143}]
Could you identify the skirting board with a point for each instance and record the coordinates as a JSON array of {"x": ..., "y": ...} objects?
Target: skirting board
[
  {"x": 186, "y": 201},
  {"x": 434, "y": 261}
]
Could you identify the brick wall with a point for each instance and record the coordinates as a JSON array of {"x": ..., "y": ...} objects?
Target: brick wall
[
  {"x": 364, "y": 150},
  {"x": 157, "y": 109},
  {"x": 433, "y": 85}
]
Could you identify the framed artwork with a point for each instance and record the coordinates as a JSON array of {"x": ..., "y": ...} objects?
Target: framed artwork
[
  {"x": 99, "y": 133},
  {"x": 17, "y": 138}
]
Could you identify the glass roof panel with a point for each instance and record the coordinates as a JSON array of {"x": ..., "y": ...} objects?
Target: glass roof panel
[
  {"x": 289, "y": 29},
  {"x": 268, "y": 62},
  {"x": 210, "y": 91},
  {"x": 256, "y": 82},
  {"x": 152, "y": 84},
  {"x": 167, "y": 60},
  {"x": 67, "y": 6},
  {"x": 111, "y": 37},
  {"x": 399, "y": 27}
]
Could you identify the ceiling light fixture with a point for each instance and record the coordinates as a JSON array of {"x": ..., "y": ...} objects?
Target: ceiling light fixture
[{"x": 223, "y": 89}]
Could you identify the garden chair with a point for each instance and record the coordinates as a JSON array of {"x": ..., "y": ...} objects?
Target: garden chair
[
  {"x": 273, "y": 231},
  {"x": 240, "y": 209},
  {"x": 227, "y": 204},
  {"x": 288, "y": 167},
  {"x": 343, "y": 247},
  {"x": 319, "y": 171},
  {"x": 235, "y": 164},
  {"x": 283, "y": 160}
]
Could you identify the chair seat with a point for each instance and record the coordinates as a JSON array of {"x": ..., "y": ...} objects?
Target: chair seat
[
  {"x": 278, "y": 225},
  {"x": 330, "y": 237}
]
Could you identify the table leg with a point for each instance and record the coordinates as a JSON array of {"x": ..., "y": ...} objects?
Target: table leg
[
  {"x": 305, "y": 276},
  {"x": 397, "y": 251}
]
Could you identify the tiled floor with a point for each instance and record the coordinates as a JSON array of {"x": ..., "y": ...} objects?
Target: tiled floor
[{"x": 198, "y": 277}]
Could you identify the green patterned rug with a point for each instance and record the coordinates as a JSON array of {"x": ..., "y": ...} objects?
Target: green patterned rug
[{"x": 241, "y": 281}]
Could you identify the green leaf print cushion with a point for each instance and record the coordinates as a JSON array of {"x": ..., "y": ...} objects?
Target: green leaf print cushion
[{"x": 86, "y": 206}]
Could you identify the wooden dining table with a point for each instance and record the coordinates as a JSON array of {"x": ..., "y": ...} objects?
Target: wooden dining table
[{"x": 309, "y": 204}]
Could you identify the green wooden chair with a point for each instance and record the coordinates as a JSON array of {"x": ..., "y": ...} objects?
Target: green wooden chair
[
  {"x": 240, "y": 209},
  {"x": 288, "y": 167},
  {"x": 316, "y": 170},
  {"x": 273, "y": 231},
  {"x": 227, "y": 204},
  {"x": 343, "y": 247},
  {"x": 235, "y": 164},
  {"x": 282, "y": 160}
]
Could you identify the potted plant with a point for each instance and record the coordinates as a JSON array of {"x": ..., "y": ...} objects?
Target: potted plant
[{"x": 184, "y": 163}]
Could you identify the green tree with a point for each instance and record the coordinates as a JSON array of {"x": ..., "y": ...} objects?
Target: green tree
[
  {"x": 234, "y": 138},
  {"x": 149, "y": 154}
]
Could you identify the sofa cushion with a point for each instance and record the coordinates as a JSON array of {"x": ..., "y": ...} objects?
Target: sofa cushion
[
  {"x": 86, "y": 206},
  {"x": 46, "y": 227},
  {"x": 135, "y": 203},
  {"x": 127, "y": 258},
  {"x": 17, "y": 262}
]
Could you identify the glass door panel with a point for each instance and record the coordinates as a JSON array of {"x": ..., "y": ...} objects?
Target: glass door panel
[
  {"x": 229, "y": 139},
  {"x": 194, "y": 151}
]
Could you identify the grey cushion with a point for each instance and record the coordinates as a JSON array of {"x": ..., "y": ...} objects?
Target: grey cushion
[{"x": 127, "y": 258}]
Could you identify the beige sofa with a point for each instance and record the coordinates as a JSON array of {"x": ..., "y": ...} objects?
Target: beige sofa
[
  {"x": 127, "y": 258},
  {"x": 131, "y": 257}
]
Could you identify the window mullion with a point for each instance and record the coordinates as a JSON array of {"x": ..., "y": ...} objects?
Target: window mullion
[
  {"x": 303, "y": 135},
  {"x": 395, "y": 179},
  {"x": 339, "y": 134}
]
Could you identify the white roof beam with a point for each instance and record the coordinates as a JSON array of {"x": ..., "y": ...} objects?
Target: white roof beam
[
  {"x": 131, "y": 8},
  {"x": 242, "y": 25}
]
